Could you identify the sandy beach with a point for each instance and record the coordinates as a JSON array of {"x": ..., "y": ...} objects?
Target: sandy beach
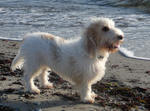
[{"x": 125, "y": 87}]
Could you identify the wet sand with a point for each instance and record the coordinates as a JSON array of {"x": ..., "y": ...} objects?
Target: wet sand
[{"x": 126, "y": 86}]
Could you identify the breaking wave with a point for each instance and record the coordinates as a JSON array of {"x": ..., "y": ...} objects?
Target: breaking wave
[
  {"x": 144, "y": 4},
  {"x": 127, "y": 53}
]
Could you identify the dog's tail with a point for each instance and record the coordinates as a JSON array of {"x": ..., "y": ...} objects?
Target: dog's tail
[{"x": 18, "y": 62}]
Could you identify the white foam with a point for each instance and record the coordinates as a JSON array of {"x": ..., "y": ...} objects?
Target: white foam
[
  {"x": 11, "y": 39},
  {"x": 127, "y": 53}
]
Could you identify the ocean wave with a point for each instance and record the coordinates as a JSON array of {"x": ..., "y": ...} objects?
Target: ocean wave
[
  {"x": 144, "y": 4},
  {"x": 141, "y": 4},
  {"x": 46, "y": 3},
  {"x": 129, "y": 54},
  {"x": 135, "y": 3},
  {"x": 11, "y": 39}
]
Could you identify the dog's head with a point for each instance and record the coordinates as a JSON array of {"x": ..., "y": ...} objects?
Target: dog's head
[{"x": 102, "y": 34}]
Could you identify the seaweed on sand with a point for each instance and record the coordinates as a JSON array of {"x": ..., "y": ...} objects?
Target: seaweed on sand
[
  {"x": 6, "y": 108},
  {"x": 121, "y": 96}
]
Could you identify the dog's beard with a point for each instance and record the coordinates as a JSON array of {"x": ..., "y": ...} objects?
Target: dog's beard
[{"x": 111, "y": 47}]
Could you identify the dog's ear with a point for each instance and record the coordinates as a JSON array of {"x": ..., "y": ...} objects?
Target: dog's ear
[{"x": 92, "y": 39}]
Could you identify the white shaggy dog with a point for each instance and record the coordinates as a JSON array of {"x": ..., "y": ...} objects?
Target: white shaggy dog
[{"x": 80, "y": 61}]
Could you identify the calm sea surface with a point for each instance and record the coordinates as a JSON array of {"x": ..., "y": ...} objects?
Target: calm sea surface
[{"x": 67, "y": 18}]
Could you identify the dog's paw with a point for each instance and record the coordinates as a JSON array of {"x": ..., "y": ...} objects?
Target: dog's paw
[
  {"x": 93, "y": 95},
  {"x": 48, "y": 86},
  {"x": 88, "y": 100},
  {"x": 35, "y": 91},
  {"x": 91, "y": 101}
]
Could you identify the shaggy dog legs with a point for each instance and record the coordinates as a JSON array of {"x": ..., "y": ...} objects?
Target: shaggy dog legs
[
  {"x": 30, "y": 76},
  {"x": 86, "y": 93}
]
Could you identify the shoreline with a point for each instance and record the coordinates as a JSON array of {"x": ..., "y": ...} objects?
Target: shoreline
[
  {"x": 126, "y": 85},
  {"x": 122, "y": 51}
]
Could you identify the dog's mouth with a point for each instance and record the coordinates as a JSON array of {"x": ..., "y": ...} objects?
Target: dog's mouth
[
  {"x": 116, "y": 46},
  {"x": 112, "y": 47}
]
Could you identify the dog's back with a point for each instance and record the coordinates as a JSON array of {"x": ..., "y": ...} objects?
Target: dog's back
[{"x": 36, "y": 46}]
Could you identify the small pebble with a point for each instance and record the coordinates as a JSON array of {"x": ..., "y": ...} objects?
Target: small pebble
[
  {"x": 114, "y": 66},
  {"x": 3, "y": 78},
  {"x": 148, "y": 72}
]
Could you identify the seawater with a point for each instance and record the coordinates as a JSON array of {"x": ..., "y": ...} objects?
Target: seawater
[{"x": 67, "y": 18}]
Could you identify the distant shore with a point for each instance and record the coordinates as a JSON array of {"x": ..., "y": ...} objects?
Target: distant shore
[{"x": 126, "y": 85}]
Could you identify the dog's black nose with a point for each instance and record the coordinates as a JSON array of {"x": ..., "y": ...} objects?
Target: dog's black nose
[{"x": 120, "y": 37}]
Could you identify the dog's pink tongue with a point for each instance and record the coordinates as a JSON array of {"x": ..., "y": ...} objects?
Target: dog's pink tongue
[{"x": 117, "y": 46}]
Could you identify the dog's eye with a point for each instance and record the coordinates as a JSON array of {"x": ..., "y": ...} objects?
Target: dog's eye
[{"x": 105, "y": 29}]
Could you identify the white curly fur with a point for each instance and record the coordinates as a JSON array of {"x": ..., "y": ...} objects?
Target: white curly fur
[{"x": 76, "y": 60}]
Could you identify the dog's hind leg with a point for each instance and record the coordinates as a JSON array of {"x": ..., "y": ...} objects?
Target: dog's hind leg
[
  {"x": 44, "y": 78},
  {"x": 17, "y": 62}
]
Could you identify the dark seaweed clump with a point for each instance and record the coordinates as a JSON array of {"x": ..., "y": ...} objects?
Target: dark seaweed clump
[
  {"x": 6, "y": 108},
  {"x": 123, "y": 97}
]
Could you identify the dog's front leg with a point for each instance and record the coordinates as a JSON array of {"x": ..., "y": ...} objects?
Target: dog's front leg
[{"x": 86, "y": 93}]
